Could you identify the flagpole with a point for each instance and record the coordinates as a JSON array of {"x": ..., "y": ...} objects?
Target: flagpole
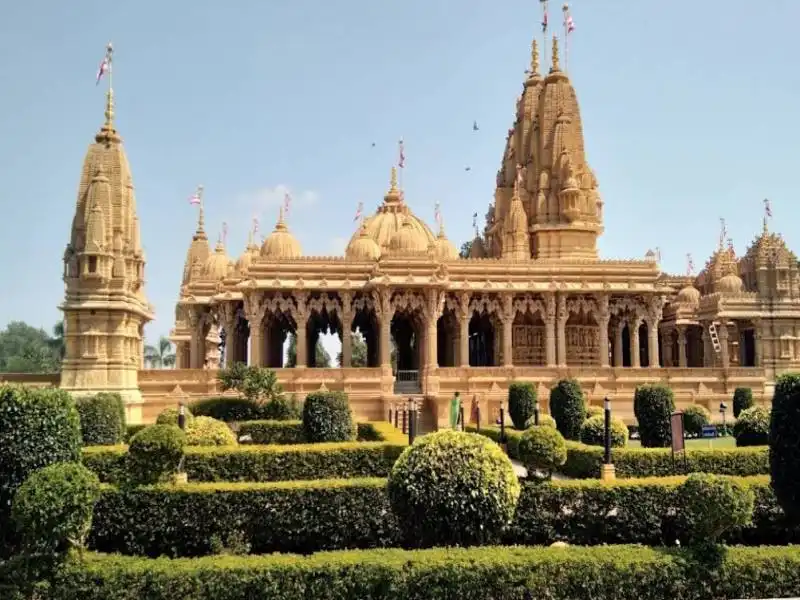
[
  {"x": 565, "y": 10},
  {"x": 544, "y": 34}
]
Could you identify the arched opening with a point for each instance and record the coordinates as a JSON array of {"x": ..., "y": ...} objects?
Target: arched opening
[
  {"x": 528, "y": 339},
  {"x": 407, "y": 340},
  {"x": 365, "y": 323},
  {"x": 644, "y": 347},
  {"x": 276, "y": 330},
  {"x": 747, "y": 348},
  {"x": 481, "y": 340},
  {"x": 447, "y": 339},
  {"x": 323, "y": 321},
  {"x": 241, "y": 343},
  {"x": 583, "y": 338},
  {"x": 626, "y": 346}
]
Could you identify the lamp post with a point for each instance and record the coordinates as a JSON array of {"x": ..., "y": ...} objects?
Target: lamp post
[
  {"x": 412, "y": 421},
  {"x": 607, "y": 470},
  {"x": 722, "y": 408},
  {"x": 536, "y": 413},
  {"x": 181, "y": 477},
  {"x": 182, "y": 416}
]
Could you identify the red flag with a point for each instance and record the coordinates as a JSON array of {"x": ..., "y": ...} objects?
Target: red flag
[
  {"x": 437, "y": 214},
  {"x": 197, "y": 197},
  {"x": 359, "y": 211},
  {"x": 401, "y": 161},
  {"x": 105, "y": 65}
]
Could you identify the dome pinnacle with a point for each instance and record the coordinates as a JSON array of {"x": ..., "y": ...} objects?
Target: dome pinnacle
[
  {"x": 555, "y": 66},
  {"x": 534, "y": 68}
]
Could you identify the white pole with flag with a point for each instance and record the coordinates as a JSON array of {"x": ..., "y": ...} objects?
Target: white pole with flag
[
  {"x": 545, "y": 18},
  {"x": 569, "y": 27},
  {"x": 196, "y": 199},
  {"x": 689, "y": 265},
  {"x": 437, "y": 215},
  {"x": 401, "y": 162},
  {"x": 359, "y": 212},
  {"x": 287, "y": 203}
]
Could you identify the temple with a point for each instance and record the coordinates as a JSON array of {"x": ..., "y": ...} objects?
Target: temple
[{"x": 532, "y": 301}]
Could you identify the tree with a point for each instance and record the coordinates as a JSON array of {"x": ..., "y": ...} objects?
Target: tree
[
  {"x": 323, "y": 359},
  {"x": 466, "y": 248},
  {"x": 26, "y": 349},
  {"x": 57, "y": 342},
  {"x": 358, "y": 353},
  {"x": 161, "y": 356}
]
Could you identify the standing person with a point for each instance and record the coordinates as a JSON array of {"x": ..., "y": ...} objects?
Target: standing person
[
  {"x": 475, "y": 410},
  {"x": 455, "y": 405}
]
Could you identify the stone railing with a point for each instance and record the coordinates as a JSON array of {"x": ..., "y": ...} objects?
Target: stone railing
[{"x": 32, "y": 379}]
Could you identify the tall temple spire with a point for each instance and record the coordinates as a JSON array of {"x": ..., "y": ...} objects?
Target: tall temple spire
[
  {"x": 534, "y": 68},
  {"x": 554, "y": 66},
  {"x": 104, "y": 305}
]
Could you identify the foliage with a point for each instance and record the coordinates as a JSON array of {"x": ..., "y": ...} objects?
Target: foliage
[
  {"x": 784, "y": 452},
  {"x": 102, "y": 418},
  {"x": 619, "y": 572},
  {"x": 205, "y": 431},
  {"x": 169, "y": 416},
  {"x": 568, "y": 408},
  {"x": 38, "y": 427},
  {"x": 358, "y": 351},
  {"x": 710, "y": 505},
  {"x": 593, "y": 411},
  {"x": 155, "y": 454},
  {"x": 752, "y": 427},
  {"x": 544, "y": 420},
  {"x": 694, "y": 418},
  {"x": 327, "y": 417},
  {"x": 228, "y": 408},
  {"x": 542, "y": 448},
  {"x": 291, "y": 432},
  {"x": 742, "y": 400},
  {"x": 521, "y": 403},
  {"x": 26, "y": 349},
  {"x": 465, "y": 249},
  {"x": 652, "y": 406},
  {"x": 323, "y": 359},
  {"x": 259, "y": 386},
  {"x": 161, "y": 356},
  {"x": 453, "y": 488},
  {"x": 53, "y": 508},
  {"x": 593, "y": 432}
]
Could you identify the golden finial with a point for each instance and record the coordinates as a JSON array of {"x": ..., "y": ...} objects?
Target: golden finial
[
  {"x": 393, "y": 180},
  {"x": 201, "y": 217},
  {"x": 109, "y": 108},
  {"x": 534, "y": 70},
  {"x": 554, "y": 67},
  {"x": 723, "y": 234}
]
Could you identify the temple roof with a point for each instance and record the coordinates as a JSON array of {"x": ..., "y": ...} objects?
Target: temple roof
[{"x": 281, "y": 243}]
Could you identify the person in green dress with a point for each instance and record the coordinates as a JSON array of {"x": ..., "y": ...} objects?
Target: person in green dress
[{"x": 455, "y": 405}]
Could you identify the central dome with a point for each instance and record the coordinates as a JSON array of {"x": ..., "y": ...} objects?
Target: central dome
[{"x": 390, "y": 218}]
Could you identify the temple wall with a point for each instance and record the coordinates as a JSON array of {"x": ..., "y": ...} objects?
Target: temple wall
[{"x": 36, "y": 380}]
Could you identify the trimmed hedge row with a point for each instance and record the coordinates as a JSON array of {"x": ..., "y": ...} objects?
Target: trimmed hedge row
[
  {"x": 583, "y": 462},
  {"x": 620, "y": 572},
  {"x": 291, "y": 432},
  {"x": 263, "y": 463},
  {"x": 309, "y": 516}
]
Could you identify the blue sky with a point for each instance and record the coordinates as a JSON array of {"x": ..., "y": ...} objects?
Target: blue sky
[{"x": 689, "y": 108}]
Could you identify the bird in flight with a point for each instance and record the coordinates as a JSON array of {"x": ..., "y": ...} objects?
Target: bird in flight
[
  {"x": 467, "y": 168},
  {"x": 474, "y": 126},
  {"x": 373, "y": 144}
]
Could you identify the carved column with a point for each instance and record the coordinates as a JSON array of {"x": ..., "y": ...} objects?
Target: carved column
[
  {"x": 255, "y": 309},
  {"x": 198, "y": 344},
  {"x": 228, "y": 317},
  {"x": 433, "y": 310},
  {"x": 654, "y": 313},
  {"x": 666, "y": 347},
  {"x": 682, "y": 362},
  {"x": 708, "y": 349},
  {"x": 603, "y": 318},
  {"x": 347, "y": 325},
  {"x": 562, "y": 316},
  {"x": 301, "y": 336},
  {"x": 618, "y": 345},
  {"x": 633, "y": 330},
  {"x": 507, "y": 319},
  {"x": 757, "y": 343},
  {"x": 724, "y": 345},
  {"x": 550, "y": 329},
  {"x": 384, "y": 312},
  {"x": 464, "y": 316}
]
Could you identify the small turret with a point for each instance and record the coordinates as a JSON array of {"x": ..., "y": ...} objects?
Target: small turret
[{"x": 516, "y": 241}]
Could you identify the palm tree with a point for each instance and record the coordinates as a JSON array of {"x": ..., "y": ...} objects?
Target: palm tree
[
  {"x": 161, "y": 356},
  {"x": 56, "y": 342}
]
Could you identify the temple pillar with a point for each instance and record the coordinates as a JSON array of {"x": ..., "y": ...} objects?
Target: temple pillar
[
  {"x": 301, "y": 342},
  {"x": 384, "y": 313},
  {"x": 198, "y": 341},
  {"x": 654, "y": 315},
  {"x": 347, "y": 334},
  {"x": 666, "y": 347},
  {"x": 708, "y": 349},
  {"x": 618, "y": 344},
  {"x": 682, "y": 362},
  {"x": 724, "y": 345},
  {"x": 603, "y": 318},
  {"x": 757, "y": 344},
  {"x": 464, "y": 316},
  {"x": 561, "y": 324},
  {"x": 633, "y": 330},
  {"x": 550, "y": 330},
  {"x": 256, "y": 343},
  {"x": 507, "y": 315}
]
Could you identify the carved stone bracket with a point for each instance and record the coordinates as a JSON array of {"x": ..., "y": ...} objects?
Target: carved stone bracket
[
  {"x": 407, "y": 301},
  {"x": 485, "y": 304},
  {"x": 435, "y": 304},
  {"x": 550, "y": 308},
  {"x": 655, "y": 309},
  {"x": 530, "y": 304},
  {"x": 603, "y": 309},
  {"x": 325, "y": 303},
  {"x": 562, "y": 308},
  {"x": 581, "y": 304}
]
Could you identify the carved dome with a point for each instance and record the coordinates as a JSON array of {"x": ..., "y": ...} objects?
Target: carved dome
[
  {"x": 477, "y": 250},
  {"x": 280, "y": 243},
  {"x": 363, "y": 247},
  {"x": 199, "y": 251},
  {"x": 217, "y": 265},
  {"x": 730, "y": 284},
  {"x": 247, "y": 258},
  {"x": 390, "y": 219},
  {"x": 689, "y": 295},
  {"x": 443, "y": 248},
  {"x": 409, "y": 240}
]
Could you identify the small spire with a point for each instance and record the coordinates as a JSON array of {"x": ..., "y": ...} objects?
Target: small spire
[
  {"x": 534, "y": 69},
  {"x": 281, "y": 224},
  {"x": 723, "y": 233},
  {"x": 555, "y": 67},
  {"x": 109, "y": 124},
  {"x": 201, "y": 216},
  {"x": 393, "y": 180}
]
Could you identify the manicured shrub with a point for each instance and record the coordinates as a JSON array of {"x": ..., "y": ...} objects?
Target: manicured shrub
[
  {"x": 742, "y": 400},
  {"x": 205, "y": 431},
  {"x": 102, "y": 419},
  {"x": 327, "y": 418},
  {"x": 38, "y": 427},
  {"x": 53, "y": 508},
  {"x": 155, "y": 454},
  {"x": 593, "y": 411},
  {"x": 694, "y": 418},
  {"x": 752, "y": 427},
  {"x": 169, "y": 416},
  {"x": 228, "y": 409},
  {"x": 593, "y": 432},
  {"x": 521, "y": 403},
  {"x": 784, "y": 450},
  {"x": 652, "y": 406},
  {"x": 542, "y": 449},
  {"x": 271, "y": 432},
  {"x": 260, "y": 387},
  {"x": 453, "y": 489},
  {"x": 568, "y": 408},
  {"x": 544, "y": 421},
  {"x": 709, "y": 505}
]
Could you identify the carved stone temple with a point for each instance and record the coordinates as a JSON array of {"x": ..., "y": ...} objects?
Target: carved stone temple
[{"x": 532, "y": 302}]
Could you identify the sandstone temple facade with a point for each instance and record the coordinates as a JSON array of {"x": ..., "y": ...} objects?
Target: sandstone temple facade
[{"x": 532, "y": 301}]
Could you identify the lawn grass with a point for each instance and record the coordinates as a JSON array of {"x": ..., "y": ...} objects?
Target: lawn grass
[{"x": 721, "y": 442}]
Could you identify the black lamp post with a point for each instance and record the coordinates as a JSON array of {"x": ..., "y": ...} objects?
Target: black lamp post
[
  {"x": 536, "y": 413},
  {"x": 607, "y": 430},
  {"x": 182, "y": 416},
  {"x": 722, "y": 408}
]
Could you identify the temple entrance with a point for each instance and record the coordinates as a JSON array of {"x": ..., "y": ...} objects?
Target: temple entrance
[
  {"x": 644, "y": 347},
  {"x": 481, "y": 341},
  {"x": 447, "y": 339},
  {"x": 405, "y": 334},
  {"x": 747, "y": 348},
  {"x": 276, "y": 350},
  {"x": 323, "y": 320}
]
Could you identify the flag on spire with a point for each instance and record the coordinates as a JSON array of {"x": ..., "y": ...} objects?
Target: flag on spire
[
  {"x": 689, "y": 265},
  {"x": 255, "y": 226},
  {"x": 437, "y": 214},
  {"x": 767, "y": 208},
  {"x": 105, "y": 64},
  {"x": 544, "y": 15},
  {"x": 224, "y": 232},
  {"x": 401, "y": 160},
  {"x": 196, "y": 198},
  {"x": 475, "y": 221},
  {"x": 287, "y": 202},
  {"x": 569, "y": 23},
  {"x": 359, "y": 211}
]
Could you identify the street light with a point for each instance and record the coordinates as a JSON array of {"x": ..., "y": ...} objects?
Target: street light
[
  {"x": 722, "y": 408},
  {"x": 536, "y": 413},
  {"x": 607, "y": 432}
]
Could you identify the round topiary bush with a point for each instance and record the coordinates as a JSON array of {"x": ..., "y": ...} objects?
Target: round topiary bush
[
  {"x": 710, "y": 505},
  {"x": 102, "y": 419},
  {"x": 453, "y": 489},
  {"x": 281, "y": 408},
  {"x": 593, "y": 432},
  {"x": 653, "y": 405},
  {"x": 784, "y": 451},
  {"x": 228, "y": 409},
  {"x": 593, "y": 411},
  {"x": 568, "y": 408},
  {"x": 742, "y": 400},
  {"x": 542, "y": 449},
  {"x": 53, "y": 507},
  {"x": 544, "y": 421},
  {"x": 694, "y": 418},
  {"x": 521, "y": 403},
  {"x": 38, "y": 427},
  {"x": 327, "y": 418},
  {"x": 169, "y": 416},
  {"x": 752, "y": 427},
  {"x": 205, "y": 431},
  {"x": 155, "y": 454}
]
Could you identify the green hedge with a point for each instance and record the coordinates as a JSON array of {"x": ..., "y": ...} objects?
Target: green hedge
[
  {"x": 584, "y": 461},
  {"x": 309, "y": 516},
  {"x": 621, "y": 572},
  {"x": 291, "y": 432}
]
